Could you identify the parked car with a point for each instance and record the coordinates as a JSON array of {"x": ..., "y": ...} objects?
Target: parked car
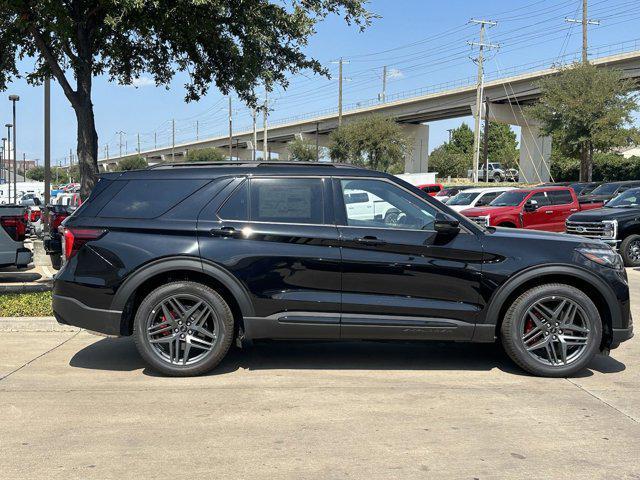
[
  {"x": 29, "y": 199},
  {"x": 12, "y": 236},
  {"x": 189, "y": 259},
  {"x": 449, "y": 192},
  {"x": 541, "y": 208},
  {"x": 496, "y": 173},
  {"x": 581, "y": 188},
  {"x": 617, "y": 223},
  {"x": 33, "y": 216},
  {"x": 605, "y": 192},
  {"x": 476, "y": 197},
  {"x": 432, "y": 189},
  {"x": 52, "y": 240}
]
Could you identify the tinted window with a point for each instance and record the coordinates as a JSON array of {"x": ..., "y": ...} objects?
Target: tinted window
[
  {"x": 487, "y": 198},
  {"x": 287, "y": 200},
  {"x": 630, "y": 198},
  {"x": 463, "y": 198},
  {"x": 509, "y": 199},
  {"x": 560, "y": 197},
  {"x": 606, "y": 189},
  {"x": 237, "y": 205},
  {"x": 149, "y": 198},
  {"x": 541, "y": 198},
  {"x": 431, "y": 189},
  {"x": 389, "y": 207},
  {"x": 356, "y": 197}
]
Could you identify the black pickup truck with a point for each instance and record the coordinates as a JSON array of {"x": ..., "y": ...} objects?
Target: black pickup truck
[{"x": 617, "y": 223}]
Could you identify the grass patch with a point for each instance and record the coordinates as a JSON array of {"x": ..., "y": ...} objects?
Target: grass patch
[{"x": 26, "y": 305}]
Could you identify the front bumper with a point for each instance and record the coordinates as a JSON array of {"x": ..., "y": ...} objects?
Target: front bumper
[
  {"x": 69, "y": 311},
  {"x": 620, "y": 335}
]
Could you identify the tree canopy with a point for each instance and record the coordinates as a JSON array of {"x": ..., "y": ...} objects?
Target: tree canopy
[
  {"x": 587, "y": 109},
  {"x": 302, "y": 150},
  {"x": 132, "y": 163},
  {"x": 375, "y": 142},
  {"x": 206, "y": 155},
  {"x": 36, "y": 173},
  {"x": 229, "y": 44}
]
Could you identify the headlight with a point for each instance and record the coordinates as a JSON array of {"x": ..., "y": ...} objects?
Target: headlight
[
  {"x": 602, "y": 256},
  {"x": 610, "y": 228}
]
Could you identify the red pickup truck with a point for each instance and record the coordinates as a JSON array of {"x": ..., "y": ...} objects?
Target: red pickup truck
[{"x": 542, "y": 208}]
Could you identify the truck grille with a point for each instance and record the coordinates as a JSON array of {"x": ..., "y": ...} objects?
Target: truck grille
[{"x": 604, "y": 230}]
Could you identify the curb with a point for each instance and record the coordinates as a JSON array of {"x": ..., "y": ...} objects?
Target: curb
[
  {"x": 27, "y": 288},
  {"x": 33, "y": 324}
]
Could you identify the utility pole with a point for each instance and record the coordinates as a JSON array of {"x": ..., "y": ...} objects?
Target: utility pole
[
  {"x": 317, "y": 142},
  {"x": 450, "y": 130},
  {"x": 138, "y": 144},
  {"x": 479, "y": 90},
  {"x": 24, "y": 167},
  {"x": 340, "y": 63},
  {"x": 585, "y": 29},
  {"x": 230, "y": 130},
  {"x": 173, "y": 140},
  {"x": 8, "y": 152},
  {"x": 383, "y": 97},
  {"x": 13, "y": 99},
  {"x": 155, "y": 139},
  {"x": 120, "y": 133},
  {"x": 265, "y": 132},
  {"x": 47, "y": 147},
  {"x": 485, "y": 153},
  {"x": 255, "y": 134},
  {"x": 197, "y": 130}
]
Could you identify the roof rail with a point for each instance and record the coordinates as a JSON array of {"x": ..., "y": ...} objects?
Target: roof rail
[{"x": 241, "y": 163}]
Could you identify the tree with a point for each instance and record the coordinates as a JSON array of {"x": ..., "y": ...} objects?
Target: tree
[
  {"x": 461, "y": 140},
  {"x": 449, "y": 163},
  {"x": 131, "y": 163},
  {"x": 302, "y": 150},
  {"x": 375, "y": 142},
  {"x": 206, "y": 155},
  {"x": 503, "y": 145},
  {"x": 587, "y": 109},
  {"x": 36, "y": 174},
  {"x": 234, "y": 45}
]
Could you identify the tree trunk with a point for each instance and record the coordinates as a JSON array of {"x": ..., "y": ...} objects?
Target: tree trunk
[
  {"x": 584, "y": 163},
  {"x": 87, "y": 135},
  {"x": 590, "y": 166}
]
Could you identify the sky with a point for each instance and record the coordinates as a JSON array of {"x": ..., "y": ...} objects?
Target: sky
[{"x": 423, "y": 43}]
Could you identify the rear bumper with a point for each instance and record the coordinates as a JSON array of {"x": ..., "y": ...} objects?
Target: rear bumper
[{"x": 69, "y": 311}]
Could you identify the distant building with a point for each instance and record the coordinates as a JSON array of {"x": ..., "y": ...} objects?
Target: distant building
[{"x": 631, "y": 152}]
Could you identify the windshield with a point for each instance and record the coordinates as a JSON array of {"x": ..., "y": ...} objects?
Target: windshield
[
  {"x": 606, "y": 189},
  {"x": 630, "y": 198},
  {"x": 463, "y": 198},
  {"x": 509, "y": 199}
]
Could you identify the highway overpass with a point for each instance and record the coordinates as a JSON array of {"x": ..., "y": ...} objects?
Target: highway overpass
[{"x": 507, "y": 96}]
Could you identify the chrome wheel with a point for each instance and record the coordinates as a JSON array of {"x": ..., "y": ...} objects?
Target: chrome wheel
[
  {"x": 633, "y": 251},
  {"x": 183, "y": 329},
  {"x": 556, "y": 331}
]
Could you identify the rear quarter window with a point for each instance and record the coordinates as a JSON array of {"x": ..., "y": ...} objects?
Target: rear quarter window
[{"x": 143, "y": 199}]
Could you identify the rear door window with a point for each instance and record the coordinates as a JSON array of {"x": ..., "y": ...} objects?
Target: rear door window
[
  {"x": 287, "y": 200},
  {"x": 143, "y": 199},
  {"x": 560, "y": 197},
  {"x": 541, "y": 198}
]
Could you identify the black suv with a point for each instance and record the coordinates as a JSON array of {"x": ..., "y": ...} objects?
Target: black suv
[{"x": 188, "y": 259}]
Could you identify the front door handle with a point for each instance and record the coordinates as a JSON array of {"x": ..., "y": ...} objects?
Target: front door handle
[
  {"x": 549, "y": 212},
  {"x": 369, "y": 240},
  {"x": 223, "y": 232}
]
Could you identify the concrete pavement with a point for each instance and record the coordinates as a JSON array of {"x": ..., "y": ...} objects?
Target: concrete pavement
[{"x": 80, "y": 406}]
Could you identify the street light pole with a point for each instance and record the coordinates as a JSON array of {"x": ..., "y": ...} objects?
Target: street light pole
[
  {"x": 8, "y": 125},
  {"x": 14, "y": 99}
]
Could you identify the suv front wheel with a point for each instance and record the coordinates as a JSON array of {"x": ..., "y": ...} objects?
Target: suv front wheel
[
  {"x": 552, "y": 330},
  {"x": 183, "y": 328}
]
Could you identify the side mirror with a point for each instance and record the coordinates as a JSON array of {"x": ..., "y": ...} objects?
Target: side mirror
[
  {"x": 446, "y": 225},
  {"x": 531, "y": 206}
]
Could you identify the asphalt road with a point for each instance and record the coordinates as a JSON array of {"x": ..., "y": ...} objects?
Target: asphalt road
[{"x": 79, "y": 406}]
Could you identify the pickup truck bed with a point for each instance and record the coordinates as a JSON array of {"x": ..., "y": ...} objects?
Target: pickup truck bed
[{"x": 12, "y": 234}]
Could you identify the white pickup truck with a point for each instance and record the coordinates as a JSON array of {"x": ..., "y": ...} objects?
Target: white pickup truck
[
  {"x": 496, "y": 173},
  {"x": 13, "y": 232}
]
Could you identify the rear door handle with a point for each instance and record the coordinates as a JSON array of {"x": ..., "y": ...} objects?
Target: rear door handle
[
  {"x": 223, "y": 232},
  {"x": 549, "y": 212},
  {"x": 369, "y": 240}
]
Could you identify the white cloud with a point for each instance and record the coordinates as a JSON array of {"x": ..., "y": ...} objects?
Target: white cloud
[
  {"x": 142, "y": 82},
  {"x": 394, "y": 73}
]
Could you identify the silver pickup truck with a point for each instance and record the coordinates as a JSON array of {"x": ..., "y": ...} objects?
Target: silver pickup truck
[{"x": 13, "y": 232}]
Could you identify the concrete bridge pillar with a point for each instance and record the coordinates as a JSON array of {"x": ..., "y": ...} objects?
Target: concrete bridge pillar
[
  {"x": 417, "y": 160},
  {"x": 535, "y": 149}
]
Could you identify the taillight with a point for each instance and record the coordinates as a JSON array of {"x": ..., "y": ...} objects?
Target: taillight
[
  {"x": 75, "y": 238},
  {"x": 35, "y": 215},
  {"x": 56, "y": 220},
  {"x": 15, "y": 226}
]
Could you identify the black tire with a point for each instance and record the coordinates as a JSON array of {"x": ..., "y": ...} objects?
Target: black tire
[
  {"x": 56, "y": 260},
  {"x": 629, "y": 249},
  {"x": 514, "y": 321},
  {"x": 497, "y": 178},
  {"x": 220, "y": 314}
]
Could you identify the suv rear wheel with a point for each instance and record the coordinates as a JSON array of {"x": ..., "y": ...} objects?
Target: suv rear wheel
[
  {"x": 552, "y": 330},
  {"x": 183, "y": 328}
]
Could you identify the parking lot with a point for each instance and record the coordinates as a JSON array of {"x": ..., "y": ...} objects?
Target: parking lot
[{"x": 80, "y": 406}]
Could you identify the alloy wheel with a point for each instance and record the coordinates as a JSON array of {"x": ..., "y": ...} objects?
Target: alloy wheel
[
  {"x": 556, "y": 331},
  {"x": 183, "y": 329},
  {"x": 634, "y": 251}
]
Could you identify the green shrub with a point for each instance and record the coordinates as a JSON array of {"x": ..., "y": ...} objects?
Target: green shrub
[{"x": 26, "y": 305}]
